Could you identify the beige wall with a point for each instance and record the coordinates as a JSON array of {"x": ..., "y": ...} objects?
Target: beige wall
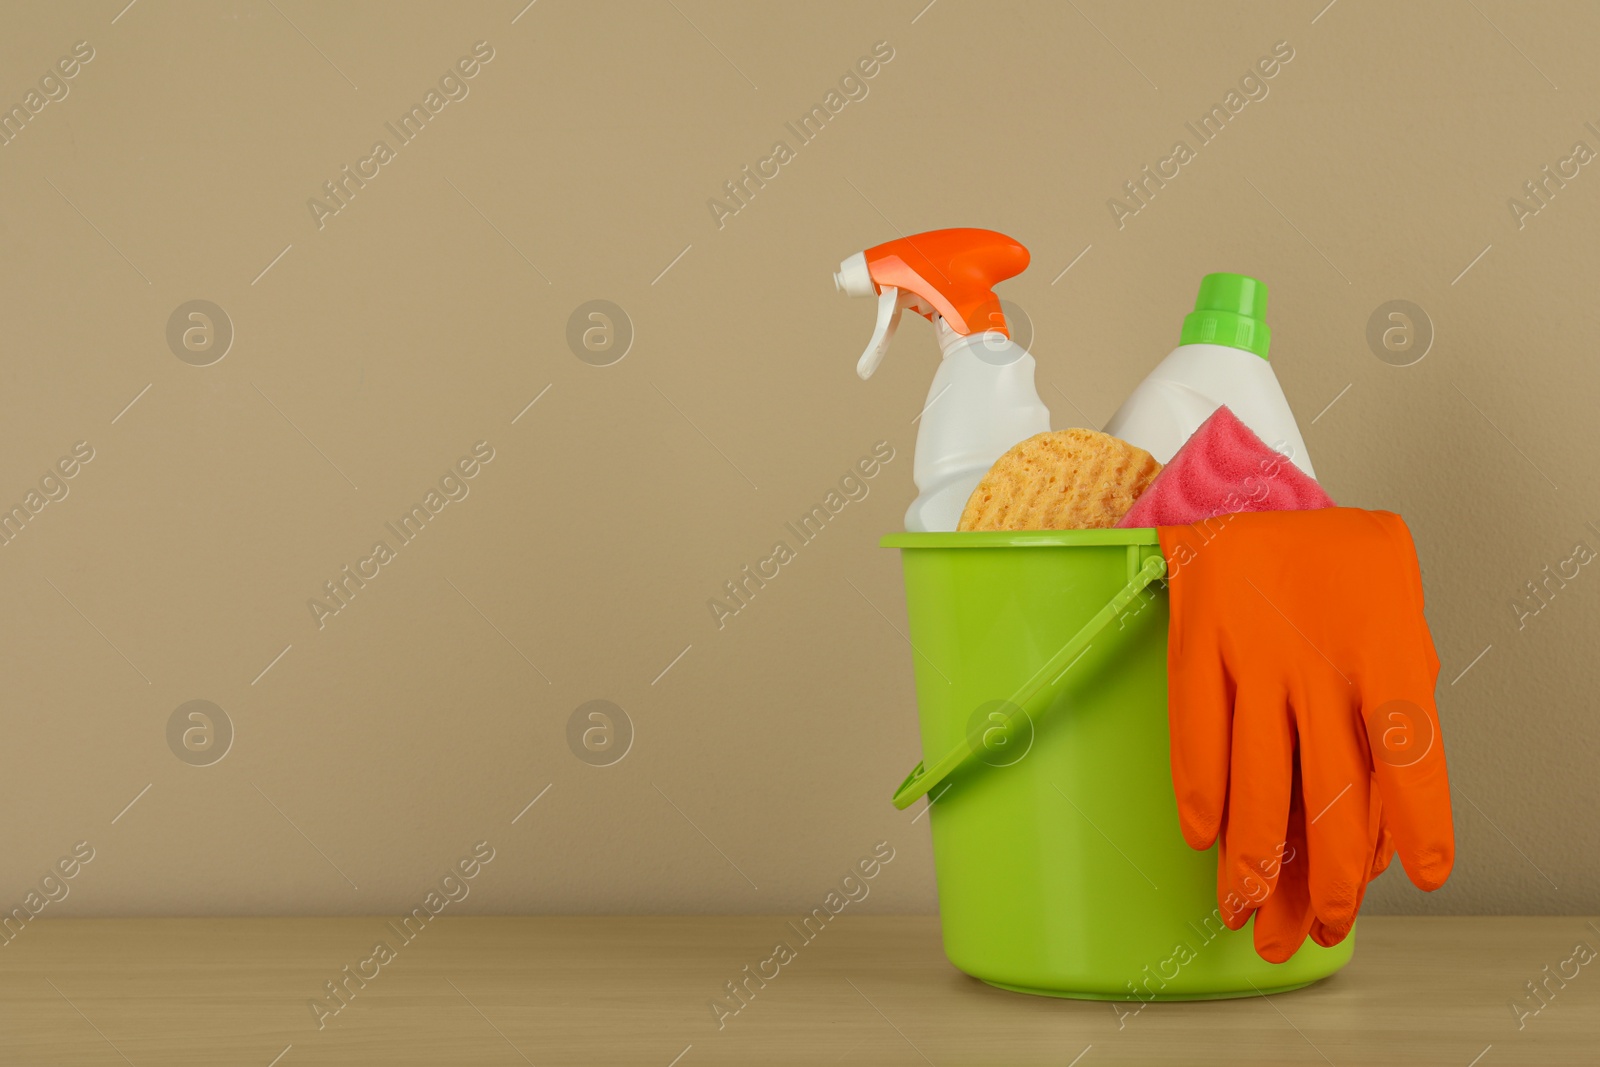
[{"x": 371, "y": 353}]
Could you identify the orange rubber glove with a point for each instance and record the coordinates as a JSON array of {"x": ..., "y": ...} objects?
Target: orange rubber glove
[{"x": 1300, "y": 692}]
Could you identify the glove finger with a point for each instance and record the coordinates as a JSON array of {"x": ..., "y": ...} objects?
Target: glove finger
[
  {"x": 1336, "y": 781},
  {"x": 1327, "y": 936},
  {"x": 1199, "y": 717},
  {"x": 1409, "y": 766},
  {"x": 1382, "y": 850},
  {"x": 1286, "y": 917},
  {"x": 1259, "y": 789},
  {"x": 1403, "y": 728},
  {"x": 1234, "y": 909}
]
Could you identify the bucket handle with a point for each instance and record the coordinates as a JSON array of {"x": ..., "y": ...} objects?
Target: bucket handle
[{"x": 922, "y": 778}]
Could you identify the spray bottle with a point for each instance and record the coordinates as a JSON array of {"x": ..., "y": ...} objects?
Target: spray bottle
[
  {"x": 1221, "y": 358},
  {"x": 982, "y": 400}
]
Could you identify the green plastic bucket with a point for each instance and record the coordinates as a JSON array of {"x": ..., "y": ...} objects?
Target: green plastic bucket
[{"x": 1041, "y": 670}]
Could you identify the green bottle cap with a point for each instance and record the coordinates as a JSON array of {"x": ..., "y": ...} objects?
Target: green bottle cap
[{"x": 1231, "y": 310}]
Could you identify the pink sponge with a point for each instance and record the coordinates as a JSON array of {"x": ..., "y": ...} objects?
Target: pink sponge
[{"x": 1224, "y": 468}]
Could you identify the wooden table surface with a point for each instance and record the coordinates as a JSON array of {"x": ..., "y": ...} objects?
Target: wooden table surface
[{"x": 870, "y": 990}]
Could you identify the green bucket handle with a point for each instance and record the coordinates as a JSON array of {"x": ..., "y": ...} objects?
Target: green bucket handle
[{"x": 922, "y": 778}]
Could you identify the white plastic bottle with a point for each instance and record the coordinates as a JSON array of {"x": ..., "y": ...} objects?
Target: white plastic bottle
[
  {"x": 1221, "y": 358},
  {"x": 983, "y": 399},
  {"x": 982, "y": 402}
]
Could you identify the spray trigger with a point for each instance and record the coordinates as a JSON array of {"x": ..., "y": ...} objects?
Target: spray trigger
[{"x": 890, "y": 303}]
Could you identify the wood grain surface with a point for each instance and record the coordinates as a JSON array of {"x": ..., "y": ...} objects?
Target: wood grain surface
[{"x": 559, "y": 990}]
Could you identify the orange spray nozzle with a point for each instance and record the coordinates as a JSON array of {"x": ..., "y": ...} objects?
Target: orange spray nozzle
[{"x": 949, "y": 273}]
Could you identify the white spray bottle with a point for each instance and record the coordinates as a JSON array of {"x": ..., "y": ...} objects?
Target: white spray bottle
[{"x": 983, "y": 399}]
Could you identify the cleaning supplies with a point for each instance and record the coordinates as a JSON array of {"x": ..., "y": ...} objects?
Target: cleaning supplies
[
  {"x": 1221, "y": 358},
  {"x": 1299, "y": 661},
  {"x": 983, "y": 399},
  {"x": 1224, "y": 468}
]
